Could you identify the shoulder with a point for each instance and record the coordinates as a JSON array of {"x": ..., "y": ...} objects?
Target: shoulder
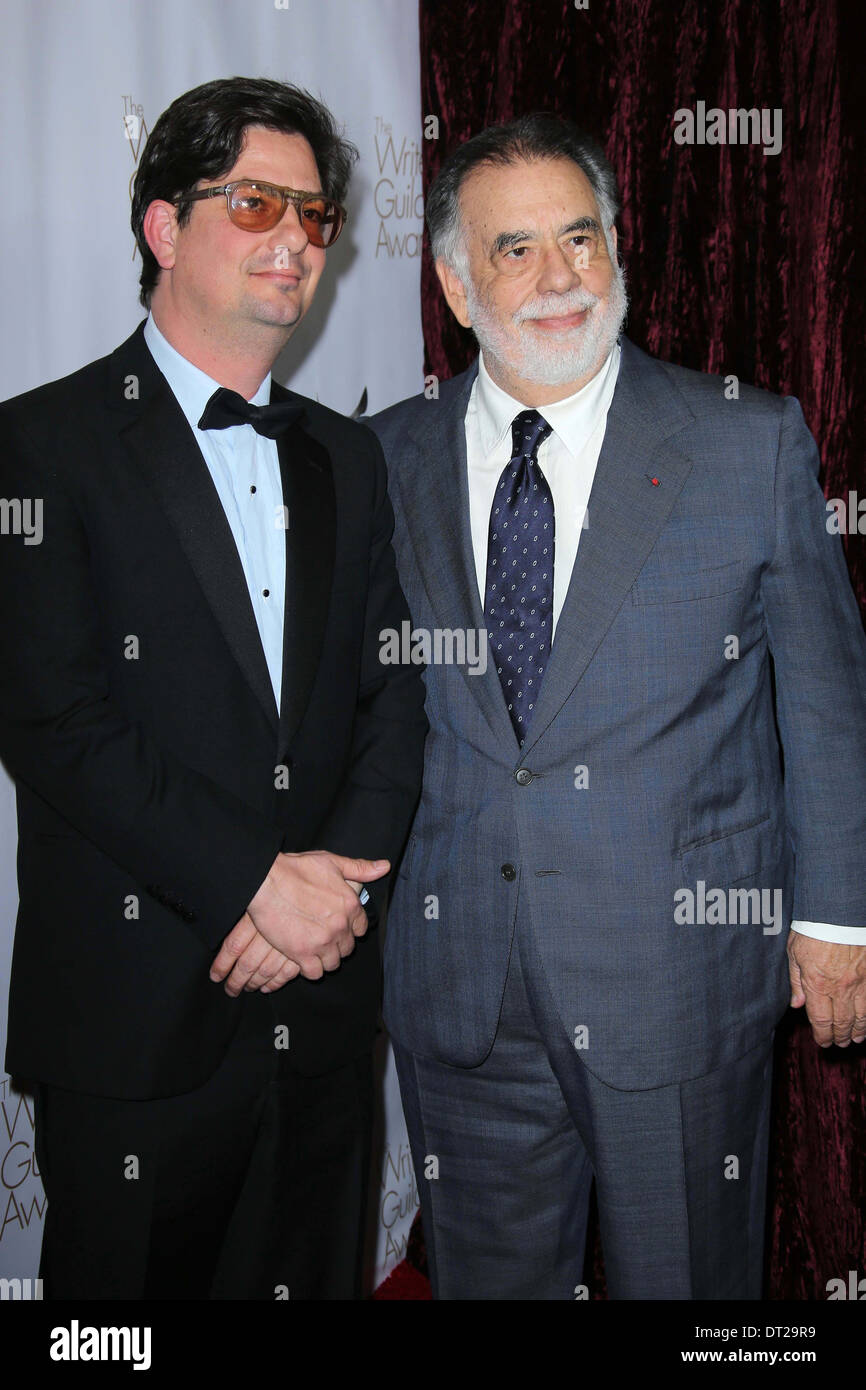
[
  {"x": 53, "y": 433},
  {"x": 77, "y": 406},
  {"x": 707, "y": 394},
  {"x": 737, "y": 436},
  {"x": 427, "y": 410},
  {"x": 57, "y": 398}
]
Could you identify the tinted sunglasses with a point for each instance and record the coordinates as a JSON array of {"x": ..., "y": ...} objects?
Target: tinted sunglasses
[{"x": 257, "y": 207}]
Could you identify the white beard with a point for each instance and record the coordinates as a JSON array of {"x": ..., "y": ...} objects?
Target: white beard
[{"x": 551, "y": 358}]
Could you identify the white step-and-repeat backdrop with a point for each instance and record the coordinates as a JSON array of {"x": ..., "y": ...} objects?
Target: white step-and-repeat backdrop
[{"x": 81, "y": 86}]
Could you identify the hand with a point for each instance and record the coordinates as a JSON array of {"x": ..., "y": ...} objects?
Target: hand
[
  {"x": 308, "y": 909},
  {"x": 830, "y": 979},
  {"x": 250, "y": 962}
]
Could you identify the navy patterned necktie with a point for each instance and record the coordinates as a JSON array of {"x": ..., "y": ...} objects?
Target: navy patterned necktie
[{"x": 518, "y": 599}]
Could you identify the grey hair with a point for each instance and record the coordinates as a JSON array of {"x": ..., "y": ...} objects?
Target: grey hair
[{"x": 538, "y": 136}]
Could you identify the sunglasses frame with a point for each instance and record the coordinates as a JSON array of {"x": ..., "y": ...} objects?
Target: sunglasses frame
[{"x": 289, "y": 195}]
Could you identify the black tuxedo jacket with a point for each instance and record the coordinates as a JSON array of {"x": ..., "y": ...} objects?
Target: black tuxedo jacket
[{"x": 138, "y": 720}]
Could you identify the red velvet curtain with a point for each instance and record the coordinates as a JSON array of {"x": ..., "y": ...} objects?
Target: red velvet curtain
[{"x": 738, "y": 262}]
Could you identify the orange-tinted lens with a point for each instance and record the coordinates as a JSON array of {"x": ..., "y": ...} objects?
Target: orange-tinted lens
[
  {"x": 254, "y": 207},
  {"x": 257, "y": 207},
  {"x": 322, "y": 220}
]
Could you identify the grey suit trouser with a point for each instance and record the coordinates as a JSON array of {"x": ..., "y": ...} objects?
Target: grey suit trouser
[{"x": 680, "y": 1170}]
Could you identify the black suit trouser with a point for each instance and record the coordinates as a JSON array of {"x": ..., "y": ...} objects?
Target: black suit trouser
[{"x": 253, "y": 1186}]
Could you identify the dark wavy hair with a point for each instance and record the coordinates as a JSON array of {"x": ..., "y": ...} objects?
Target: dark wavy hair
[{"x": 201, "y": 135}]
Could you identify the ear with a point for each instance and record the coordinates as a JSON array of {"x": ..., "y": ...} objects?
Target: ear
[
  {"x": 160, "y": 232},
  {"x": 612, "y": 230},
  {"x": 454, "y": 292}
]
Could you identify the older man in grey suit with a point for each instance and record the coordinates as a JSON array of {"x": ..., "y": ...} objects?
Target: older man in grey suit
[{"x": 657, "y": 774}]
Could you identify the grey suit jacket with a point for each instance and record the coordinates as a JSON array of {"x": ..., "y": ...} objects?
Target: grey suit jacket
[{"x": 735, "y": 766}]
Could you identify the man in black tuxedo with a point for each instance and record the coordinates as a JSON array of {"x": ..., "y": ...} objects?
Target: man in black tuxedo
[{"x": 211, "y": 761}]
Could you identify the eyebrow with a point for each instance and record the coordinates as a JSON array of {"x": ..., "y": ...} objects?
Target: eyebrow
[
  {"x": 506, "y": 240},
  {"x": 583, "y": 224}
]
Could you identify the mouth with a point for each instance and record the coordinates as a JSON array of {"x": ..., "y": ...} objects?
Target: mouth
[
  {"x": 558, "y": 323},
  {"x": 279, "y": 277}
]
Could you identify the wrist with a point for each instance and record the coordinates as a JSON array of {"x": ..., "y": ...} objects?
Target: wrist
[{"x": 264, "y": 891}]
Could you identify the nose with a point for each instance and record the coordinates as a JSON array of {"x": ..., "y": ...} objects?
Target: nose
[
  {"x": 290, "y": 231},
  {"x": 558, "y": 273}
]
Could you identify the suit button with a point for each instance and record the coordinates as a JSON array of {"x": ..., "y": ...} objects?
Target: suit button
[
  {"x": 508, "y": 872},
  {"x": 523, "y": 777}
]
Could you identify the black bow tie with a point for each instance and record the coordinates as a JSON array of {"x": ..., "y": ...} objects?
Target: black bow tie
[{"x": 226, "y": 408}]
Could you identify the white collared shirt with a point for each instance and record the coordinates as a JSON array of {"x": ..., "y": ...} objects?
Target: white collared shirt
[{"x": 245, "y": 469}]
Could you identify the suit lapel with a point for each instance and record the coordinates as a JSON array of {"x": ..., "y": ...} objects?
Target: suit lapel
[
  {"x": 435, "y": 495},
  {"x": 164, "y": 449},
  {"x": 626, "y": 513},
  {"x": 308, "y": 493}
]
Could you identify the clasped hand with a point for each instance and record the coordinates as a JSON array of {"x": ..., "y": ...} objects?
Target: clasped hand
[{"x": 304, "y": 920}]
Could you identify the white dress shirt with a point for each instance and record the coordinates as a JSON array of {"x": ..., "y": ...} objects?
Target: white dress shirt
[
  {"x": 568, "y": 458},
  {"x": 245, "y": 469}
]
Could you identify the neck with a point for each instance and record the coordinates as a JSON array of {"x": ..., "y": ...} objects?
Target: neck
[
  {"x": 240, "y": 361},
  {"x": 536, "y": 393}
]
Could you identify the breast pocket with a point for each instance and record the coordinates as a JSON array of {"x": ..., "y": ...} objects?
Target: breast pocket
[{"x": 678, "y": 587}]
